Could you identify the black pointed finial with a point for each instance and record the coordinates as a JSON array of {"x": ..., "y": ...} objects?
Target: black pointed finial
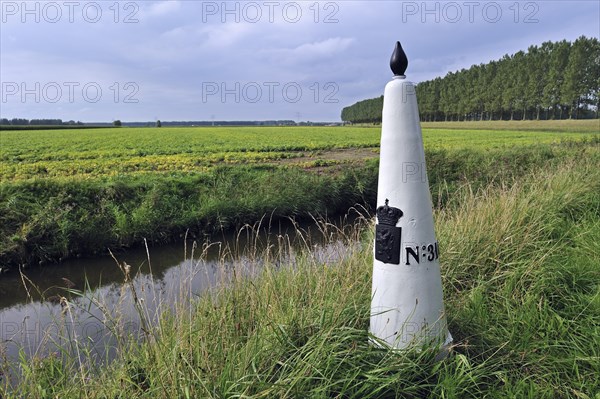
[{"x": 398, "y": 62}]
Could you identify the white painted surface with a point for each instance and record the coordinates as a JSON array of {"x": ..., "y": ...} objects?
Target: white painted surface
[{"x": 407, "y": 305}]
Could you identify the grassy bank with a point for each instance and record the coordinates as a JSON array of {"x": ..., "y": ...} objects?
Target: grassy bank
[
  {"x": 49, "y": 219},
  {"x": 520, "y": 271}
]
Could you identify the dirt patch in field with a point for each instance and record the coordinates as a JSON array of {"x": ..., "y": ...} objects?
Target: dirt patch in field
[
  {"x": 331, "y": 162},
  {"x": 337, "y": 156}
]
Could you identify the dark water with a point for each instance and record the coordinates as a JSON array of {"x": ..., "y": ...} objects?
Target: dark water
[{"x": 86, "y": 305}]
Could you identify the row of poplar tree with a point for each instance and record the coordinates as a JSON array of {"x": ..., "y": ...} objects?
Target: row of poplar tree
[{"x": 557, "y": 80}]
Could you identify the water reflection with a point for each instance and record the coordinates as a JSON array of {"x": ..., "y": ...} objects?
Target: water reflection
[{"x": 87, "y": 304}]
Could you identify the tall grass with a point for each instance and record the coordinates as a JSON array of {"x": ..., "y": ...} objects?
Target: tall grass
[{"x": 521, "y": 284}]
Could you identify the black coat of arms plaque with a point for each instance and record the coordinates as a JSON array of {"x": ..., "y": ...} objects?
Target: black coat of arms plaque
[{"x": 387, "y": 235}]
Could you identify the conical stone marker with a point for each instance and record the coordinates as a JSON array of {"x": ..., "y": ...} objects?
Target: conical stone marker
[{"x": 407, "y": 308}]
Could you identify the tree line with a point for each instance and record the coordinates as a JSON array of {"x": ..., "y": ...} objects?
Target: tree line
[
  {"x": 36, "y": 122},
  {"x": 556, "y": 80}
]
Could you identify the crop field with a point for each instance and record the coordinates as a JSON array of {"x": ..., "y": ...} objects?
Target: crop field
[
  {"x": 73, "y": 192},
  {"x": 109, "y": 152}
]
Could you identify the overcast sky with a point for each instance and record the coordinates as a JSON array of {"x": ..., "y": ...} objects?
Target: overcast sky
[{"x": 214, "y": 60}]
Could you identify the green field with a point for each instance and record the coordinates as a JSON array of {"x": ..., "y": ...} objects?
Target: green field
[
  {"x": 565, "y": 125},
  {"x": 67, "y": 193},
  {"x": 110, "y": 152}
]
